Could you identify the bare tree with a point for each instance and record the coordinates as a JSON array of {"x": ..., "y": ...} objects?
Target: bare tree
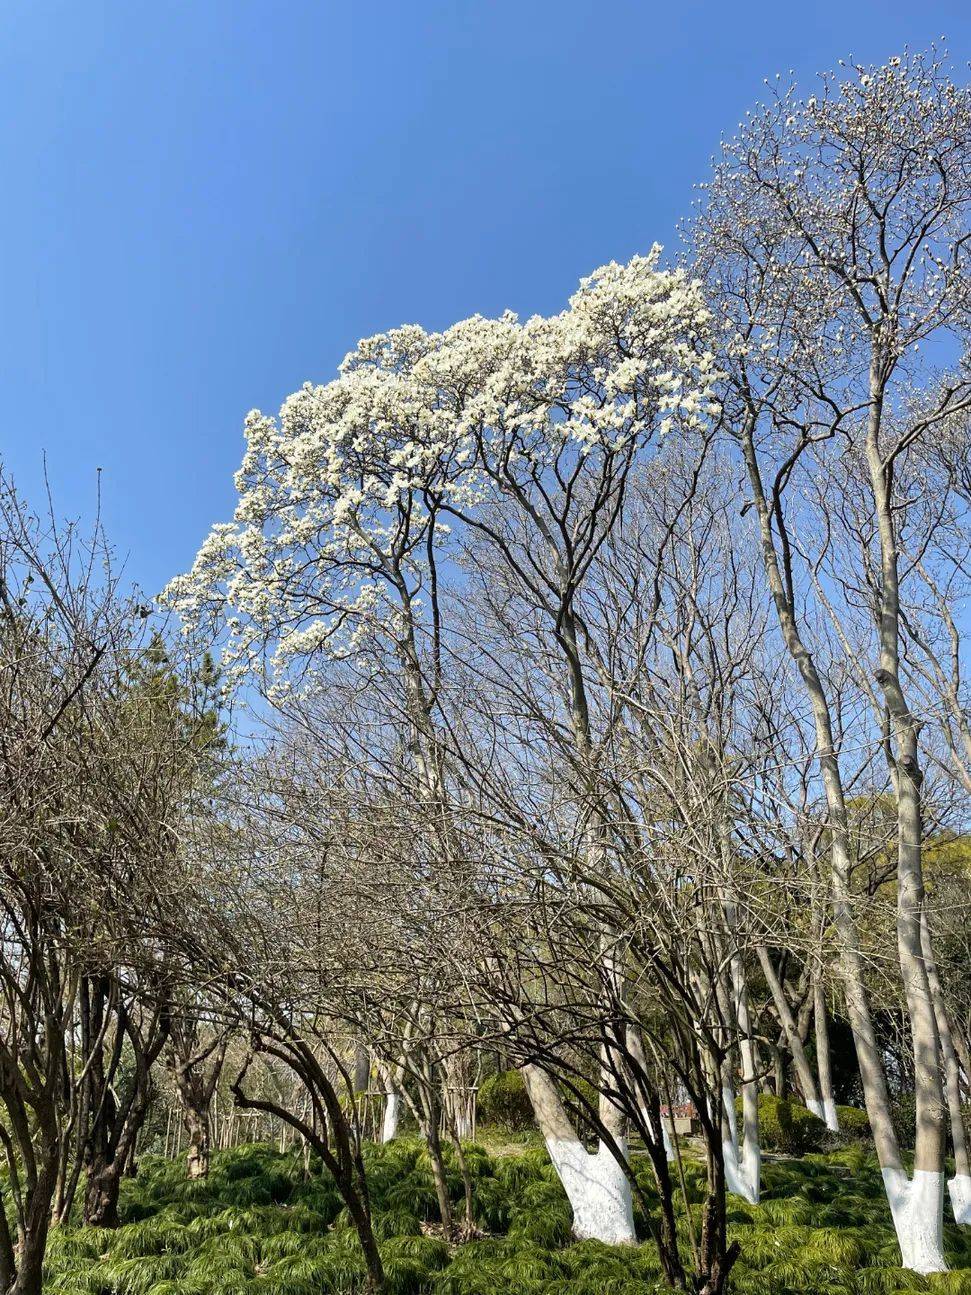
[{"x": 834, "y": 245}]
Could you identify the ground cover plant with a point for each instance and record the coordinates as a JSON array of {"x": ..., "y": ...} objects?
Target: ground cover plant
[{"x": 266, "y": 1222}]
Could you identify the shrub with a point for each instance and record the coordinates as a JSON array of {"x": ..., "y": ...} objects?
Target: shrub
[
  {"x": 854, "y": 1124},
  {"x": 503, "y": 1101},
  {"x": 788, "y": 1127}
]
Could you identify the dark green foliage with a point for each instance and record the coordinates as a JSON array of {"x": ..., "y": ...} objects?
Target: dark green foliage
[
  {"x": 503, "y": 1102},
  {"x": 788, "y": 1127},
  {"x": 903, "y": 1112},
  {"x": 261, "y": 1226},
  {"x": 854, "y": 1124}
]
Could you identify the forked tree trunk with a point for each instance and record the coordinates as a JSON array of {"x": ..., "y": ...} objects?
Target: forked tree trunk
[
  {"x": 742, "y": 1157},
  {"x": 657, "y": 1129},
  {"x": 808, "y": 1086},
  {"x": 596, "y": 1185}
]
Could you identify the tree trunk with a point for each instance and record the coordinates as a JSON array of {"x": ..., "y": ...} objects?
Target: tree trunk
[
  {"x": 199, "y": 1149},
  {"x": 717, "y": 1257},
  {"x": 29, "y": 1257},
  {"x": 595, "y": 1184},
  {"x": 742, "y": 1163},
  {"x": 807, "y": 1082},
  {"x": 101, "y": 1190},
  {"x": 392, "y": 1115},
  {"x": 823, "y": 1066},
  {"x": 959, "y": 1187},
  {"x": 434, "y": 1144},
  {"x": 917, "y": 1204},
  {"x": 912, "y": 1204}
]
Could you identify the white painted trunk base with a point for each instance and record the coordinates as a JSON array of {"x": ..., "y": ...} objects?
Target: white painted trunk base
[
  {"x": 743, "y": 1173},
  {"x": 825, "y": 1111},
  {"x": 392, "y": 1114},
  {"x": 959, "y": 1190},
  {"x": 917, "y": 1206},
  {"x": 598, "y": 1191}
]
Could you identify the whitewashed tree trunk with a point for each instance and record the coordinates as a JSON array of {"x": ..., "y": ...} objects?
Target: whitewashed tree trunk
[
  {"x": 635, "y": 1046},
  {"x": 807, "y": 1080},
  {"x": 911, "y": 1209},
  {"x": 392, "y": 1116},
  {"x": 743, "y": 1163},
  {"x": 916, "y": 1205},
  {"x": 959, "y": 1190},
  {"x": 959, "y": 1187},
  {"x": 598, "y": 1191},
  {"x": 595, "y": 1183},
  {"x": 913, "y": 935}
]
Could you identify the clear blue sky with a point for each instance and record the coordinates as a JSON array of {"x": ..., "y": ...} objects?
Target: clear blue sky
[{"x": 207, "y": 203}]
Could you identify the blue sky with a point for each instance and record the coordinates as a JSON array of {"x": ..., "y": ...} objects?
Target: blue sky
[{"x": 206, "y": 204}]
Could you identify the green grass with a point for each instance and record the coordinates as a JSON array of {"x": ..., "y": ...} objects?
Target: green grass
[{"x": 260, "y": 1226}]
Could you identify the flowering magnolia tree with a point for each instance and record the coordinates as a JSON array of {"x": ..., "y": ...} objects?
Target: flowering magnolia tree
[
  {"x": 367, "y": 492},
  {"x": 450, "y": 529},
  {"x": 341, "y": 525}
]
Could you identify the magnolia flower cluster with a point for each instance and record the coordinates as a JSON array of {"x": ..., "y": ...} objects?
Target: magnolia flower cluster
[{"x": 341, "y": 495}]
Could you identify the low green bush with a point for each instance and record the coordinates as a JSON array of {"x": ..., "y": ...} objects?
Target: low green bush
[
  {"x": 787, "y": 1127},
  {"x": 854, "y": 1124},
  {"x": 503, "y": 1101}
]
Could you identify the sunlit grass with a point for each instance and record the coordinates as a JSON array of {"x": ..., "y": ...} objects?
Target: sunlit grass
[{"x": 261, "y": 1225}]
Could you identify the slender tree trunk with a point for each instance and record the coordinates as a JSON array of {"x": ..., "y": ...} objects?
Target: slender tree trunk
[
  {"x": 807, "y": 1082},
  {"x": 912, "y": 1203},
  {"x": 916, "y": 1203},
  {"x": 823, "y": 1064},
  {"x": 392, "y": 1115},
  {"x": 29, "y": 1258},
  {"x": 717, "y": 1256},
  {"x": 959, "y": 1187},
  {"x": 434, "y": 1143}
]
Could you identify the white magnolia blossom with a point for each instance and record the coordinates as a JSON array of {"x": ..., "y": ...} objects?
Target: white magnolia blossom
[{"x": 337, "y": 495}]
